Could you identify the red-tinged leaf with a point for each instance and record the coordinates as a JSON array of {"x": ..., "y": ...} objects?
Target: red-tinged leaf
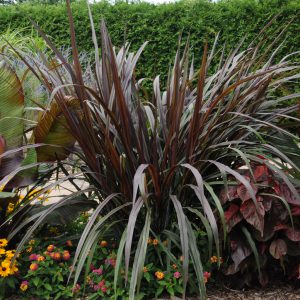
[
  {"x": 243, "y": 192},
  {"x": 293, "y": 248},
  {"x": 240, "y": 254},
  {"x": 280, "y": 227},
  {"x": 284, "y": 191},
  {"x": 293, "y": 234},
  {"x": 232, "y": 216},
  {"x": 261, "y": 173},
  {"x": 232, "y": 194},
  {"x": 264, "y": 279},
  {"x": 278, "y": 248},
  {"x": 296, "y": 211},
  {"x": 262, "y": 248},
  {"x": 231, "y": 270},
  {"x": 268, "y": 232},
  {"x": 266, "y": 202},
  {"x": 253, "y": 216}
]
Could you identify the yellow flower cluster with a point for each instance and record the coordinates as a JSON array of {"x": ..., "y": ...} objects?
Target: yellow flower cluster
[
  {"x": 11, "y": 206},
  {"x": 6, "y": 266},
  {"x": 33, "y": 193}
]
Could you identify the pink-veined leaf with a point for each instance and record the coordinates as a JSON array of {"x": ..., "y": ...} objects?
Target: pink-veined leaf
[
  {"x": 252, "y": 215},
  {"x": 278, "y": 248}
]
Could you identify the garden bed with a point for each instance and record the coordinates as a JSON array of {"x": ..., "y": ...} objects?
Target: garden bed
[{"x": 271, "y": 293}]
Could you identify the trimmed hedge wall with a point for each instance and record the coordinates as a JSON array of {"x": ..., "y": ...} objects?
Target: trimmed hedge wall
[{"x": 162, "y": 24}]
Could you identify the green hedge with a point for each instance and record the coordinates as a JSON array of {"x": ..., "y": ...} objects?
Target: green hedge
[{"x": 162, "y": 24}]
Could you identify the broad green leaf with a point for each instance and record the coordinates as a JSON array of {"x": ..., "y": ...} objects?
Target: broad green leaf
[
  {"x": 52, "y": 129},
  {"x": 11, "y": 107}
]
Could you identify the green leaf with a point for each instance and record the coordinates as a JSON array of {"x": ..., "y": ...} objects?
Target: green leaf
[
  {"x": 48, "y": 287},
  {"x": 139, "y": 259},
  {"x": 52, "y": 129},
  {"x": 11, "y": 107}
]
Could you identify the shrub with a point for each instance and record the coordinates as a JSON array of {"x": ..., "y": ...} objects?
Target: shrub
[{"x": 139, "y": 22}]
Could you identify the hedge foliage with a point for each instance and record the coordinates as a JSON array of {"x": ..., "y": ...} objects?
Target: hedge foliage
[{"x": 162, "y": 24}]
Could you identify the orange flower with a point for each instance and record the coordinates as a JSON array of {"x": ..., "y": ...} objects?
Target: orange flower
[
  {"x": 66, "y": 255},
  {"x": 34, "y": 267},
  {"x": 29, "y": 249},
  {"x": 103, "y": 244},
  {"x": 69, "y": 243},
  {"x": 145, "y": 270},
  {"x": 159, "y": 275},
  {"x": 50, "y": 248},
  {"x": 56, "y": 256},
  {"x": 214, "y": 259},
  {"x": 149, "y": 242},
  {"x": 41, "y": 258},
  {"x": 174, "y": 266},
  {"x": 155, "y": 242}
]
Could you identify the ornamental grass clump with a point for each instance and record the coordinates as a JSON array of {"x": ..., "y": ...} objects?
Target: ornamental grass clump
[{"x": 156, "y": 164}]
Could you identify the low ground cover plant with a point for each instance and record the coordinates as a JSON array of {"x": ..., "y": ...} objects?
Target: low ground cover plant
[
  {"x": 165, "y": 173},
  {"x": 42, "y": 269}
]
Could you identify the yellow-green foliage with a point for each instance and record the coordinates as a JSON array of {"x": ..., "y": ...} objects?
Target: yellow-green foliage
[{"x": 161, "y": 24}]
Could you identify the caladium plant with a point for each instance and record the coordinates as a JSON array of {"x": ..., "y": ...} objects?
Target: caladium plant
[{"x": 264, "y": 232}]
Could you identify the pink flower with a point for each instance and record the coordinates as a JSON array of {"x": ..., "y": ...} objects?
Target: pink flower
[
  {"x": 99, "y": 286},
  {"x": 76, "y": 288},
  {"x": 101, "y": 283},
  {"x": 177, "y": 274},
  {"x": 33, "y": 257},
  {"x": 92, "y": 267},
  {"x": 98, "y": 271},
  {"x": 104, "y": 289},
  {"x": 110, "y": 261},
  {"x": 206, "y": 275}
]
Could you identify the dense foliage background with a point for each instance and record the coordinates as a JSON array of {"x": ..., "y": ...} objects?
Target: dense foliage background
[{"x": 161, "y": 24}]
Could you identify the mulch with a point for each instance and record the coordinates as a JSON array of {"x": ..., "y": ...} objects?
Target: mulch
[{"x": 272, "y": 293}]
